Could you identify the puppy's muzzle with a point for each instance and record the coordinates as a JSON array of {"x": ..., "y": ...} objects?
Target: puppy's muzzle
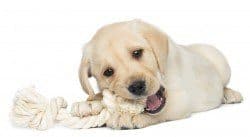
[{"x": 137, "y": 87}]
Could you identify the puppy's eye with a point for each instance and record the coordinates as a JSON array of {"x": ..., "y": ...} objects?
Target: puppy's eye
[
  {"x": 137, "y": 53},
  {"x": 108, "y": 72}
]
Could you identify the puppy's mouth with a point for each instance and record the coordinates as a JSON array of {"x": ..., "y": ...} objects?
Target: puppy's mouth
[{"x": 156, "y": 102}]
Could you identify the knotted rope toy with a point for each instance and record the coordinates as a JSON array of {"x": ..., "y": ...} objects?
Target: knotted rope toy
[{"x": 33, "y": 110}]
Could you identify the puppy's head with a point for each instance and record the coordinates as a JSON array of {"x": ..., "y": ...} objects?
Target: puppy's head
[{"x": 128, "y": 59}]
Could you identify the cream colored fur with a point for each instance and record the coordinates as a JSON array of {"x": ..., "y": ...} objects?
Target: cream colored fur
[{"x": 194, "y": 76}]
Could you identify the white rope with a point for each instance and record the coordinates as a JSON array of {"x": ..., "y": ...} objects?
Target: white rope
[{"x": 34, "y": 111}]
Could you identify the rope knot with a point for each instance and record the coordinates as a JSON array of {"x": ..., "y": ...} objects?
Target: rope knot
[{"x": 32, "y": 110}]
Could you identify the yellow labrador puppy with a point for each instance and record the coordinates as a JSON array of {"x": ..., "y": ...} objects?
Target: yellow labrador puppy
[{"x": 138, "y": 62}]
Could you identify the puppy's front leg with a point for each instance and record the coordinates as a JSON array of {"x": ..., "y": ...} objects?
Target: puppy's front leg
[
  {"x": 144, "y": 120},
  {"x": 128, "y": 121},
  {"x": 120, "y": 121}
]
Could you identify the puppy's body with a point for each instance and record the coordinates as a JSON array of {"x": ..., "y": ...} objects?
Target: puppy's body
[{"x": 194, "y": 77}]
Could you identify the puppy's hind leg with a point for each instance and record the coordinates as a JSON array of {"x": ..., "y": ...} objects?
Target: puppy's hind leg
[{"x": 231, "y": 96}]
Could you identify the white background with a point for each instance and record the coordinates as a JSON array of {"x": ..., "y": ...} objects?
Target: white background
[{"x": 41, "y": 41}]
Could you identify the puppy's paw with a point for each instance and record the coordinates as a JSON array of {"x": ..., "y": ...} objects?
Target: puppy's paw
[
  {"x": 86, "y": 108},
  {"x": 141, "y": 121},
  {"x": 231, "y": 96},
  {"x": 121, "y": 121}
]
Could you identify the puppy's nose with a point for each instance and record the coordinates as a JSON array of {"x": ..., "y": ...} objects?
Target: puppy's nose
[{"x": 137, "y": 87}]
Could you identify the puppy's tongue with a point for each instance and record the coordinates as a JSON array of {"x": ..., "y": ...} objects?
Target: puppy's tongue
[{"x": 153, "y": 102}]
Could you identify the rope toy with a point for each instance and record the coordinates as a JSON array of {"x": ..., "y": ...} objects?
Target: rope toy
[{"x": 33, "y": 110}]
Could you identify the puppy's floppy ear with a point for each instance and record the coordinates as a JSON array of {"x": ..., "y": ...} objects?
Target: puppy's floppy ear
[
  {"x": 156, "y": 39},
  {"x": 85, "y": 72}
]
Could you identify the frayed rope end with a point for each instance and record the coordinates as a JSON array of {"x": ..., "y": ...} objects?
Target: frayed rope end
[{"x": 33, "y": 110}]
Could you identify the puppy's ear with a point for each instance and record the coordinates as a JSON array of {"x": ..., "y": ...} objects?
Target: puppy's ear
[
  {"x": 85, "y": 72},
  {"x": 156, "y": 39}
]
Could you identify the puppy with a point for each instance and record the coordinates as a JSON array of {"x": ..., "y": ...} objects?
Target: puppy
[{"x": 140, "y": 63}]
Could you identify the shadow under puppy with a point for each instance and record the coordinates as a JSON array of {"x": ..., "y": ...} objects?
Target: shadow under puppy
[{"x": 138, "y": 62}]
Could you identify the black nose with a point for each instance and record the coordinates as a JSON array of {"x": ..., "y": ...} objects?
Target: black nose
[{"x": 137, "y": 87}]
